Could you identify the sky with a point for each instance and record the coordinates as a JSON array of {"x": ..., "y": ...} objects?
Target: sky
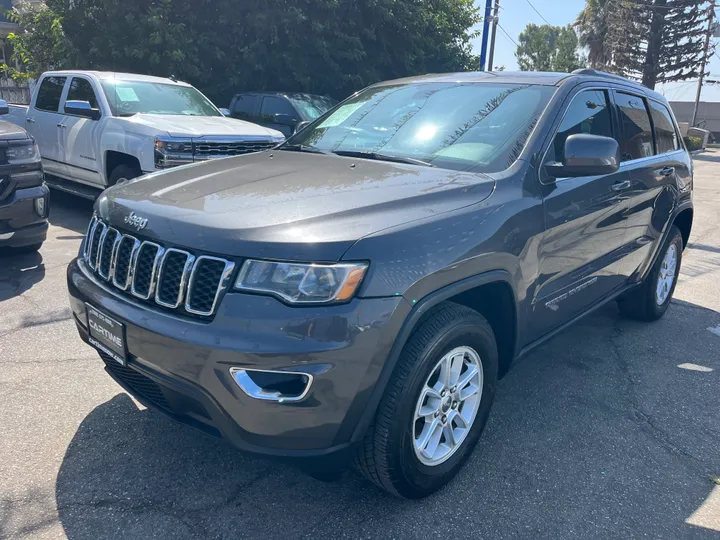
[{"x": 516, "y": 14}]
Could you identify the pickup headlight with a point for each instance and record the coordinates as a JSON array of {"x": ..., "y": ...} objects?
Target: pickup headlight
[
  {"x": 302, "y": 283},
  {"x": 170, "y": 152},
  {"x": 23, "y": 154}
]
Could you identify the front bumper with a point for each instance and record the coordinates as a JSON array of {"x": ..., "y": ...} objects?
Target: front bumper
[
  {"x": 20, "y": 223},
  {"x": 182, "y": 366}
]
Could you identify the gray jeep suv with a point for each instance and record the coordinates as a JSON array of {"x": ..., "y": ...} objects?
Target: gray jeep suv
[{"x": 358, "y": 290}]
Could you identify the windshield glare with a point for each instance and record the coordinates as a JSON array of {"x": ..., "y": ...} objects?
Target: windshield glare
[
  {"x": 479, "y": 127},
  {"x": 312, "y": 107},
  {"x": 132, "y": 97}
]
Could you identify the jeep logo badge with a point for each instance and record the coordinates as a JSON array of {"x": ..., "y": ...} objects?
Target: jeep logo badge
[{"x": 136, "y": 221}]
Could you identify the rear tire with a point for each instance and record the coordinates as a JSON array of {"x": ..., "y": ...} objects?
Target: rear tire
[
  {"x": 649, "y": 301},
  {"x": 392, "y": 454},
  {"x": 123, "y": 173}
]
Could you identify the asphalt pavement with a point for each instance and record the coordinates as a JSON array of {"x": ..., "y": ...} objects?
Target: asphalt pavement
[{"x": 610, "y": 430}]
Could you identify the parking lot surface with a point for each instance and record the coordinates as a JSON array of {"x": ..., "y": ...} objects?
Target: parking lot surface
[{"x": 610, "y": 430}]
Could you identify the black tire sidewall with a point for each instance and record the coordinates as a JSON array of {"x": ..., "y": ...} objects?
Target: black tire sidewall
[
  {"x": 123, "y": 171},
  {"x": 421, "y": 477}
]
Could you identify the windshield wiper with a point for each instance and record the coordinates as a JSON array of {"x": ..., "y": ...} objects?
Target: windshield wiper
[
  {"x": 302, "y": 148},
  {"x": 382, "y": 157}
]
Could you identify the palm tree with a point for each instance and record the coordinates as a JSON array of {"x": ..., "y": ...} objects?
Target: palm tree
[{"x": 594, "y": 32}]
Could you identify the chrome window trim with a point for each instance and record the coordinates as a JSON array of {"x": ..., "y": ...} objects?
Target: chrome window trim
[
  {"x": 222, "y": 285},
  {"x": 96, "y": 262},
  {"x": 189, "y": 261},
  {"x": 153, "y": 272},
  {"x": 112, "y": 253}
]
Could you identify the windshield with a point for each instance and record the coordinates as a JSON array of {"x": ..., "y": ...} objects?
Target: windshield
[
  {"x": 479, "y": 127},
  {"x": 312, "y": 107},
  {"x": 132, "y": 97}
]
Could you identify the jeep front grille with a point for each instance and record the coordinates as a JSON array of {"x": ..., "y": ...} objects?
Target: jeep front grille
[{"x": 171, "y": 278}]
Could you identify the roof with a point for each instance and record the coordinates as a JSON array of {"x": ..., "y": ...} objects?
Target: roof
[
  {"x": 113, "y": 75},
  {"x": 524, "y": 77},
  {"x": 298, "y": 95}
]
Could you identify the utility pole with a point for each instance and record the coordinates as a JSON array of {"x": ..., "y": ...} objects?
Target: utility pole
[
  {"x": 491, "y": 56},
  {"x": 486, "y": 28},
  {"x": 711, "y": 18}
]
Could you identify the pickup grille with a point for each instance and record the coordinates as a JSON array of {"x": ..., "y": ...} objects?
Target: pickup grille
[
  {"x": 211, "y": 149},
  {"x": 172, "y": 278}
]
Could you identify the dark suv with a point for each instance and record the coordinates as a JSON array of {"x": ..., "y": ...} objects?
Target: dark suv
[
  {"x": 24, "y": 197},
  {"x": 359, "y": 289},
  {"x": 281, "y": 111}
]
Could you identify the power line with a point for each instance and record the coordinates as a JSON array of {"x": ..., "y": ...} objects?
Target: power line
[
  {"x": 508, "y": 35},
  {"x": 536, "y": 11}
]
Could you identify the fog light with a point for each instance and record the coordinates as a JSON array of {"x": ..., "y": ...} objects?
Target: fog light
[
  {"x": 41, "y": 207},
  {"x": 279, "y": 386}
]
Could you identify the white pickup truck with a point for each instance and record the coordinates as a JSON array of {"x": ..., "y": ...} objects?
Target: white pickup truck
[{"x": 96, "y": 129}]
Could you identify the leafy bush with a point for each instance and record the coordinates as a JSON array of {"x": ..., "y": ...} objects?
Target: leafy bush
[{"x": 693, "y": 143}]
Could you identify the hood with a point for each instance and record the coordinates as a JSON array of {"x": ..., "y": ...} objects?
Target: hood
[
  {"x": 203, "y": 126},
  {"x": 10, "y": 132},
  {"x": 286, "y": 205}
]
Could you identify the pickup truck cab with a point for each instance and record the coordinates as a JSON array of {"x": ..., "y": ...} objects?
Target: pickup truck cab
[
  {"x": 96, "y": 129},
  {"x": 358, "y": 290},
  {"x": 24, "y": 197}
]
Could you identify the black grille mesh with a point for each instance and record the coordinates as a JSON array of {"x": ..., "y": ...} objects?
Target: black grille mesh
[
  {"x": 122, "y": 262},
  {"x": 208, "y": 275},
  {"x": 144, "y": 269},
  {"x": 171, "y": 277},
  {"x": 107, "y": 252},
  {"x": 144, "y": 386},
  {"x": 95, "y": 245},
  {"x": 210, "y": 149}
]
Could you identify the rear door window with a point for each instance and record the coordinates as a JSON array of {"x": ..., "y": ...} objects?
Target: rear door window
[
  {"x": 82, "y": 90},
  {"x": 49, "y": 93},
  {"x": 637, "y": 137},
  {"x": 244, "y": 107},
  {"x": 666, "y": 136},
  {"x": 588, "y": 113}
]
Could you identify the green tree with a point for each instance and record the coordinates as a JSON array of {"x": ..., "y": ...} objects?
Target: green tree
[
  {"x": 548, "y": 48},
  {"x": 329, "y": 47},
  {"x": 40, "y": 44}
]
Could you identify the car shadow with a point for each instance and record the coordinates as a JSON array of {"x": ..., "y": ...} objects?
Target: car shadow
[
  {"x": 711, "y": 158},
  {"x": 599, "y": 433},
  {"x": 19, "y": 272},
  {"x": 70, "y": 212}
]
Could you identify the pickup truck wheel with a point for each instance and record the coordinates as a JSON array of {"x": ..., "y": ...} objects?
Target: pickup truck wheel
[
  {"x": 123, "y": 173},
  {"x": 435, "y": 406},
  {"x": 649, "y": 301}
]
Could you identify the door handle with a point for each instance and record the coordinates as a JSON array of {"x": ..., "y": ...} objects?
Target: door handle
[
  {"x": 61, "y": 126},
  {"x": 30, "y": 120},
  {"x": 620, "y": 186},
  {"x": 667, "y": 171}
]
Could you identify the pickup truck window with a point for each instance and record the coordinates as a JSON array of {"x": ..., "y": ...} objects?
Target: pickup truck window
[
  {"x": 588, "y": 113},
  {"x": 637, "y": 140},
  {"x": 82, "y": 90},
  {"x": 479, "y": 127},
  {"x": 244, "y": 107},
  {"x": 273, "y": 105},
  {"x": 127, "y": 98},
  {"x": 49, "y": 93}
]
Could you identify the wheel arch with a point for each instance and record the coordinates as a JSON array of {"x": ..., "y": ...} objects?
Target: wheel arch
[
  {"x": 466, "y": 292},
  {"x": 114, "y": 158},
  {"x": 683, "y": 221}
]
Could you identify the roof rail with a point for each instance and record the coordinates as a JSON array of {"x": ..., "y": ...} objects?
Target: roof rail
[{"x": 598, "y": 73}]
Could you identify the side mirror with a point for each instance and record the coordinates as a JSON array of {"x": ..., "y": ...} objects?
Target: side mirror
[
  {"x": 586, "y": 155},
  {"x": 4, "y": 107},
  {"x": 224, "y": 111},
  {"x": 284, "y": 119},
  {"x": 82, "y": 108},
  {"x": 301, "y": 125}
]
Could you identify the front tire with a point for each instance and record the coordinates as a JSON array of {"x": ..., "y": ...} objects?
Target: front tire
[
  {"x": 435, "y": 406},
  {"x": 123, "y": 173},
  {"x": 650, "y": 301}
]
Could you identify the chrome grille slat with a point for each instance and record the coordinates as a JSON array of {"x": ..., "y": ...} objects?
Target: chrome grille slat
[{"x": 171, "y": 278}]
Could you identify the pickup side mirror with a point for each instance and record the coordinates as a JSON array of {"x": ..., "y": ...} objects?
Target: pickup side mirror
[
  {"x": 586, "y": 155},
  {"x": 224, "y": 111},
  {"x": 301, "y": 125},
  {"x": 284, "y": 119},
  {"x": 4, "y": 108},
  {"x": 82, "y": 108}
]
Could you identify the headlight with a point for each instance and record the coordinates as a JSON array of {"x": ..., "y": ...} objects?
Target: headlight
[
  {"x": 302, "y": 283},
  {"x": 170, "y": 152},
  {"x": 24, "y": 154}
]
